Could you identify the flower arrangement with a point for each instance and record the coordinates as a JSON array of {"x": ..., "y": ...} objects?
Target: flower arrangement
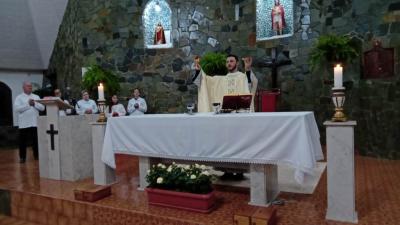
[{"x": 178, "y": 177}]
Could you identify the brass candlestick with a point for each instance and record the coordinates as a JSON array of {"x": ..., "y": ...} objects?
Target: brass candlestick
[
  {"x": 101, "y": 105},
  {"x": 338, "y": 98}
]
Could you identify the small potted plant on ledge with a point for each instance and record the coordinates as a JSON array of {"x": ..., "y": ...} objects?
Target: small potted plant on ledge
[{"x": 181, "y": 186}]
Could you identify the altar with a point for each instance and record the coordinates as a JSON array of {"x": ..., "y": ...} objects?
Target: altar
[{"x": 259, "y": 141}]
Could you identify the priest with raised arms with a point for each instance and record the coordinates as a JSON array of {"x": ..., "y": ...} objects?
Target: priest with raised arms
[{"x": 212, "y": 89}]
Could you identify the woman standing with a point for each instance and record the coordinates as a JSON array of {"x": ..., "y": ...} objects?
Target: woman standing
[{"x": 116, "y": 108}]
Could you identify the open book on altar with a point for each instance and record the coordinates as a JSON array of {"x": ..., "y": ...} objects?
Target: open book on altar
[{"x": 236, "y": 102}]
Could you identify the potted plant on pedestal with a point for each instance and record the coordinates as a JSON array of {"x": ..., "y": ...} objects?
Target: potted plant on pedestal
[{"x": 181, "y": 186}]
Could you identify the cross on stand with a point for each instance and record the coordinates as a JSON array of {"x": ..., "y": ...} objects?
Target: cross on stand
[
  {"x": 274, "y": 62},
  {"x": 52, "y": 132}
]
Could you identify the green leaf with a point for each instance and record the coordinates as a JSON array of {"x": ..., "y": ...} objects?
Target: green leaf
[{"x": 331, "y": 49}]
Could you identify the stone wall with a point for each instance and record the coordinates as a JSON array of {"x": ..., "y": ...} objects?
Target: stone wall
[{"x": 110, "y": 33}]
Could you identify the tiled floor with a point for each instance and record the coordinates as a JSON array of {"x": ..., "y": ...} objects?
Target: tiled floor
[
  {"x": 377, "y": 192},
  {"x": 6, "y": 220}
]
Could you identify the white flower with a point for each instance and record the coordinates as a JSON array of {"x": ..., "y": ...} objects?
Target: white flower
[
  {"x": 169, "y": 168},
  {"x": 161, "y": 165},
  {"x": 192, "y": 176},
  {"x": 160, "y": 180},
  {"x": 148, "y": 171},
  {"x": 187, "y": 167},
  {"x": 203, "y": 167},
  {"x": 196, "y": 165},
  {"x": 205, "y": 173}
]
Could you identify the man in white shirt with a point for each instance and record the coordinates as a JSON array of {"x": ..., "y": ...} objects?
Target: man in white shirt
[
  {"x": 137, "y": 105},
  {"x": 86, "y": 105},
  {"x": 28, "y": 111},
  {"x": 61, "y": 112}
]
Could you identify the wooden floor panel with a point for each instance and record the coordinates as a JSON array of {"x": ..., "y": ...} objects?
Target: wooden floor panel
[{"x": 377, "y": 198}]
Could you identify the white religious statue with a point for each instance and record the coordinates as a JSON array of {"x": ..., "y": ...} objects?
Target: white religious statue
[
  {"x": 86, "y": 105},
  {"x": 137, "y": 105},
  {"x": 212, "y": 89}
]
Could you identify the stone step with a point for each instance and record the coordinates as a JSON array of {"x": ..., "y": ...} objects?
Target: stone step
[{"x": 6, "y": 220}]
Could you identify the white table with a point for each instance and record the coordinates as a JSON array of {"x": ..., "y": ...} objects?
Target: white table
[{"x": 261, "y": 140}]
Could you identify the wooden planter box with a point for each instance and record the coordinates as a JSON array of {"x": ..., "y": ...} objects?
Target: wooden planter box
[{"x": 203, "y": 203}]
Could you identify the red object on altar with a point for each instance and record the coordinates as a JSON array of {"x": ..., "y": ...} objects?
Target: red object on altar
[
  {"x": 203, "y": 203},
  {"x": 267, "y": 100}
]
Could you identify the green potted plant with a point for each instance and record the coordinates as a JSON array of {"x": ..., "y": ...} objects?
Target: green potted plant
[
  {"x": 96, "y": 75},
  {"x": 332, "y": 49},
  {"x": 181, "y": 186},
  {"x": 213, "y": 63}
]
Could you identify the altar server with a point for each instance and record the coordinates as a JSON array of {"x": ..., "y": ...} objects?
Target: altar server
[{"x": 86, "y": 105}]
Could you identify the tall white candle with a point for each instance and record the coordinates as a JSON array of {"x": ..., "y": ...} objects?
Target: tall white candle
[
  {"x": 338, "y": 76},
  {"x": 100, "y": 90}
]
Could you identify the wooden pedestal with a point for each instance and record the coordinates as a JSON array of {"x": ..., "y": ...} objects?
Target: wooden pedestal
[
  {"x": 264, "y": 216},
  {"x": 253, "y": 215},
  {"x": 92, "y": 193}
]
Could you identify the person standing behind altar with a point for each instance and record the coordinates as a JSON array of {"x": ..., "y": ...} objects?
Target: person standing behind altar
[
  {"x": 86, "y": 105},
  {"x": 137, "y": 105},
  {"x": 57, "y": 93},
  {"x": 115, "y": 108},
  {"x": 213, "y": 89},
  {"x": 28, "y": 112}
]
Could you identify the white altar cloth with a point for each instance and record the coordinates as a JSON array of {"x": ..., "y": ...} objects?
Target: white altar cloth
[{"x": 290, "y": 138}]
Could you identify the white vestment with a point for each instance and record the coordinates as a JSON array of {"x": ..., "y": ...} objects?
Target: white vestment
[
  {"x": 137, "y": 111},
  {"x": 83, "y": 105},
  {"x": 118, "y": 108},
  {"x": 213, "y": 89}
]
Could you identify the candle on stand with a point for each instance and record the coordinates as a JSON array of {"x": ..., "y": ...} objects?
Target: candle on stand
[
  {"x": 338, "y": 76},
  {"x": 100, "y": 90}
]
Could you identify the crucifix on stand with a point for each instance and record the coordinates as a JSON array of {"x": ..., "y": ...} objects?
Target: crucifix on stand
[
  {"x": 268, "y": 99},
  {"x": 276, "y": 60}
]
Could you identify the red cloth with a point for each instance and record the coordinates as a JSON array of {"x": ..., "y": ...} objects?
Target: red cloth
[
  {"x": 280, "y": 7},
  {"x": 159, "y": 36}
]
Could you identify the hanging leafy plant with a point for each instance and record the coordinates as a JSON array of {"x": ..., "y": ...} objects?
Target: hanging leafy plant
[
  {"x": 332, "y": 49},
  {"x": 214, "y": 63},
  {"x": 96, "y": 75}
]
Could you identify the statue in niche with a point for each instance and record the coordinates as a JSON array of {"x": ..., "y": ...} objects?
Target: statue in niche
[
  {"x": 278, "y": 17},
  {"x": 159, "y": 35}
]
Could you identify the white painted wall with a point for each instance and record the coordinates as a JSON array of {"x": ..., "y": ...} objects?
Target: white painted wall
[
  {"x": 14, "y": 80},
  {"x": 47, "y": 17},
  {"x": 29, "y": 29}
]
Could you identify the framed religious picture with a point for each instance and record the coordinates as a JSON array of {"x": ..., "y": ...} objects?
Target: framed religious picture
[{"x": 274, "y": 19}]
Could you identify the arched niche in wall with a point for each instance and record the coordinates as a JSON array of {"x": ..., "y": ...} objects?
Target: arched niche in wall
[
  {"x": 274, "y": 19},
  {"x": 6, "y": 109},
  {"x": 157, "y": 24}
]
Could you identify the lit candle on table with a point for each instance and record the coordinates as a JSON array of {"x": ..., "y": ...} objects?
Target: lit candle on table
[
  {"x": 338, "y": 76},
  {"x": 100, "y": 90}
]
